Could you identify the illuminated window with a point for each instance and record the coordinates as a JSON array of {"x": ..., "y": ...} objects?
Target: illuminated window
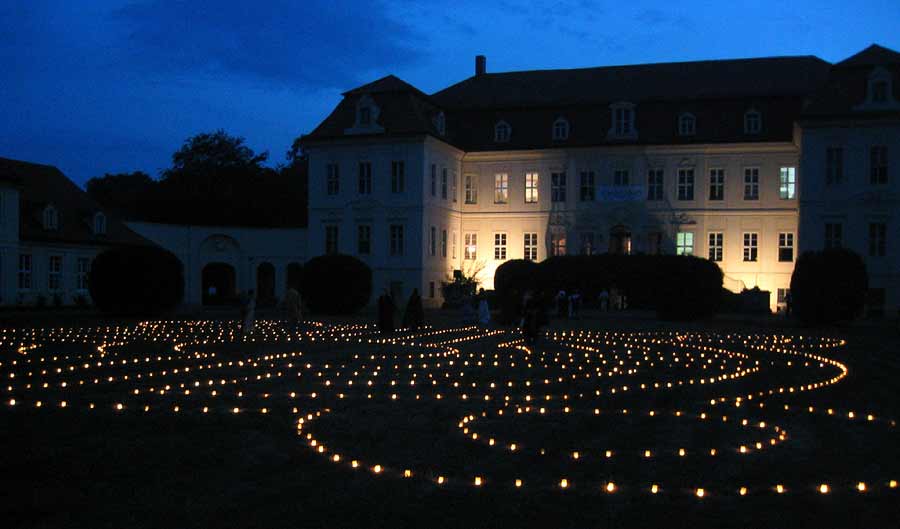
[
  {"x": 687, "y": 124},
  {"x": 834, "y": 165},
  {"x": 587, "y": 186},
  {"x": 752, "y": 122},
  {"x": 587, "y": 243},
  {"x": 716, "y": 246},
  {"x": 557, "y": 242},
  {"x": 787, "y": 183},
  {"x": 82, "y": 272},
  {"x": 398, "y": 177},
  {"x": 24, "y": 271},
  {"x": 531, "y": 247},
  {"x": 470, "y": 248},
  {"x": 499, "y": 246},
  {"x": 331, "y": 239},
  {"x": 877, "y": 239},
  {"x": 433, "y": 180},
  {"x": 751, "y": 247},
  {"x": 51, "y": 218},
  {"x": 655, "y": 184},
  {"x": 621, "y": 177},
  {"x": 364, "y": 239},
  {"x": 751, "y": 183},
  {"x": 453, "y": 245},
  {"x": 785, "y": 247},
  {"x": 834, "y": 235},
  {"x": 471, "y": 189},
  {"x": 501, "y": 188},
  {"x": 444, "y": 244},
  {"x": 557, "y": 187},
  {"x": 878, "y": 165},
  {"x": 432, "y": 242},
  {"x": 332, "y": 179},
  {"x": 444, "y": 183},
  {"x": 685, "y": 184},
  {"x": 531, "y": 188},
  {"x": 54, "y": 273},
  {"x": 502, "y": 132},
  {"x": 684, "y": 243},
  {"x": 396, "y": 238},
  {"x": 560, "y": 129},
  {"x": 717, "y": 184},
  {"x": 365, "y": 178}
]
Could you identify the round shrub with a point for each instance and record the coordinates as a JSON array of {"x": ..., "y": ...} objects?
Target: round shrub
[
  {"x": 511, "y": 280},
  {"x": 829, "y": 286},
  {"x": 137, "y": 280},
  {"x": 336, "y": 284}
]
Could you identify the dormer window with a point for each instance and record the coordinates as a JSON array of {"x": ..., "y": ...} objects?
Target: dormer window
[
  {"x": 561, "y": 129},
  {"x": 502, "y": 132},
  {"x": 879, "y": 92},
  {"x": 440, "y": 123},
  {"x": 51, "y": 218},
  {"x": 687, "y": 124},
  {"x": 622, "y": 121},
  {"x": 752, "y": 122},
  {"x": 365, "y": 116},
  {"x": 99, "y": 223}
]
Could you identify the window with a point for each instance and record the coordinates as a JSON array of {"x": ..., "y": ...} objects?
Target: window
[
  {"x": 787, "y": 187},
  {"x": 433, "y": 180},
  {"x": 834, "y": 235},
  {"x": 716, "y": 246},
  {"x": 685, "y": 184},
  {"x": 364, "y": 239},
  {"x": 444, "y": 183},
  {"x": 655, "y": 184},
  {"x": 560, "y": 129},
  {"x": 531, "y": 246},
  {"x": 752, "y": 122},
  {"x": 684, "y": 243},
  {"x": 878, "y": 167},
  {"x": 717, "y": 184},
  {"x": 332, "y": 179},
  {"x": 834, "y": 165},
  {"x": 501, "y": 188},
  {"x": 557, "y": 187},
  {"x": 99, "y": 223},
  {"x": 621, "y": 177},
  {"x": 587, "y": 186},
  {"x": 751, "y": 183},
  {"x": 432, "y": 242},
  {"x": 365, "y": 116},
  {"x": 502, "y": 132},
  {"x": 687, "y": 124},
  {"x": 557, "y": 242},
  {"x": 453, "y": 245},
  {"x": 398, "y": 177},
  {"x": 587, "y": 243},
  {"x": 24, "y": 271},
  {"x": 470, "y": 248},
  {"x": 82, "y": 272},
  {"x": 365, "y": 178},
  {"x": 877, "y": 239},
  {"x": 622, "y": 120},
  {"x": 454, "y": 185},
  {"x": 471, "y": 189},
  {"x": 444, "y": 244},
  {"x": 785, "y": 247},
  {"x": 879, "y": 91},
  {"x": 51, "y": 218},
  {"x": 751, "y": 247},
  {"x": 396, "y": 231},
  {"x": 331, "y": 239},
  {"x": 499, "y": 246},
  {"x": 54, "y": 273},
  {"x": 879, "y": 87},
  {"x": 531, "y": 188}
]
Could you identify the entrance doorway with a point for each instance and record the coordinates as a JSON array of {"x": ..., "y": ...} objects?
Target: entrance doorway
[
  {"x": 218, "y": 283},
  {"x": 620, "y": 240}
]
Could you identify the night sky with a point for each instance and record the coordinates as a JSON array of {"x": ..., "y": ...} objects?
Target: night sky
[{"x": 96, "y": 86}]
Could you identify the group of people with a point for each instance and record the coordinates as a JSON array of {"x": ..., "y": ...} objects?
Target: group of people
[
  {"x": 292, "y": 304},
  {"x": 568, "y": 305},
  {"x": 413, "y": 315},
  {"x": 613, "y": 300}
]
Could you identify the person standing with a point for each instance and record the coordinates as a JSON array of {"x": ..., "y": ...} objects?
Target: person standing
[
  {"x": 414, "y": 314},
  {"x": 249, "y": 313},
  {"x": 292, "y": 306},
  {"x": 484, "y": 310}
]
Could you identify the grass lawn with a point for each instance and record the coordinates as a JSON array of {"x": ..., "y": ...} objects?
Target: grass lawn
[{"x": 178, "y": 455}]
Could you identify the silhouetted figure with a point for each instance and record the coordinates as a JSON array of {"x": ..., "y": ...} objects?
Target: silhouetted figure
[
  {"x": 386, "y": 314},
  {"x": 787, "y": 304},
  {"x": 248, "y": 313},
  {"x": 484, "y": 310},
  {"x": 532, "y": 317},
  {"x": 414, "y": 314},
  {"x": 293, "y": 307},
  {"x": 604, "y": 300},
  {"x": 562, "y": 302}
]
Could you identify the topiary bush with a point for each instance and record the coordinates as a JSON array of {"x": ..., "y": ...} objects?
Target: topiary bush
[
  {"x": 136, "y": 280},
  {"x": 511, "y": 280},
  {"x": 829, "y": 286},
  {"x": 336, "y": 284},
  {"x": 686, "y": 287}
]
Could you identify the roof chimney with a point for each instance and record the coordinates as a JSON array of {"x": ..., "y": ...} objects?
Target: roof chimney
[{"x": 480, "y": 65}]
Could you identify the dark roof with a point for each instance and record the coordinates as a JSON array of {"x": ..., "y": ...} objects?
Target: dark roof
[
  {"x": 43, "y": 185},
  {"x": 874, "y": 55},
  {"x": 844, "y": 93}
]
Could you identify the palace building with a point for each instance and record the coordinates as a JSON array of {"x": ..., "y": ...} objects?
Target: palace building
[{"x": 744, "y": 162}]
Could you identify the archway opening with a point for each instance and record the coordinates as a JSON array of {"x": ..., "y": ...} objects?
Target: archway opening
[
  {"x": 265, "y": 284},
  {"x": 218, "y": 283}
]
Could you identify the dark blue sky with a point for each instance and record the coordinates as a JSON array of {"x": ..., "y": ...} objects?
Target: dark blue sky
[{"x": 97, "y": 86}]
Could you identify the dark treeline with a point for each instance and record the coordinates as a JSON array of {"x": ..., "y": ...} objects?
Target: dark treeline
[{"x": 214, "y": 179}]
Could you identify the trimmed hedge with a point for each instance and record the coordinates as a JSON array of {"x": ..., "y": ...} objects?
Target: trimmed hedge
[
  {"x": 336, "y": 284},
  {"x": 136, "y": 280},
  {"x": 829, "y": 286},
  {"x": 511, "y": 280}
]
